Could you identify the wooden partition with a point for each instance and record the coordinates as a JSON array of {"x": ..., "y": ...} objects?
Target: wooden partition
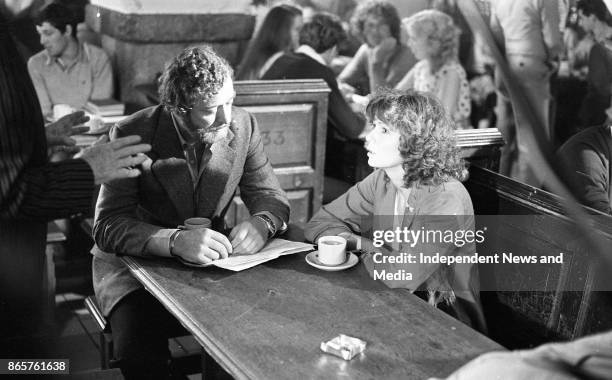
[
  {"x": 520, "y": 317},
  {"x": 292, "y": 118},
  {"x": 480, "y": 146}
]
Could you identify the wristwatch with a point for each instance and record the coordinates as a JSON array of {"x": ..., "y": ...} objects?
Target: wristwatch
[{"x": 269, "y": 224}]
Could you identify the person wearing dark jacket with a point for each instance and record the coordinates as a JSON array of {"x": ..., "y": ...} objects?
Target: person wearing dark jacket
[
  {"x": 585, "y": 158},
  {"x": 34, "y": 190},
  {"x": 319, "y": 39}
]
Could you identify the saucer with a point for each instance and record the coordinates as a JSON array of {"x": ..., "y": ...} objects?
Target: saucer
[{"x": 313, "y": 260}]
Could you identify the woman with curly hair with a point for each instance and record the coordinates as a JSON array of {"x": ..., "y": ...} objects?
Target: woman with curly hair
[
  {"x": 277, "y": 34},
  {"x": 382, "y": 60},
  {"x": 434, "y": 40},
  {"x": 416, "y": 185}
]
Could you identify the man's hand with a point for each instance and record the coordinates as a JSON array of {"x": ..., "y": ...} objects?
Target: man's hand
[
  {"x": 383, "y": 51},
  {"x": 249, "y": 236},
  {"x": 202, "y": 245},
  {"x": 59, "y": 132},
  {"x": 116, "y": 159}
]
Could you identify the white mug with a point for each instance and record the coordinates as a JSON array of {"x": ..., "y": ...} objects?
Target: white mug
[
  {"x": 195, "y": 223},
  {"x": 332, "y": 250}
]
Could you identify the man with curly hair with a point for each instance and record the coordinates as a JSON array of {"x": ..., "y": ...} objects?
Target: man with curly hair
[
  {"x": 416, "y": 185},
  {"x": 203, "y": 149}
]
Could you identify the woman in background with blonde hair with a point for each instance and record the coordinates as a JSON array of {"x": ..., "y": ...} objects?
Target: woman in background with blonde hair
[{"x": 434, "y": 40}]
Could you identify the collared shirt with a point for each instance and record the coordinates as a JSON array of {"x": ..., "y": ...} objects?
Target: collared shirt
[
  {"x": 89, "y": 76},
  {"x": 196, "y": 152},
  {"x": 309, "y": 51}
]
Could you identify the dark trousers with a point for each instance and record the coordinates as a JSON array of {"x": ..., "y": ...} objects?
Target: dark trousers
[{"x": 141, "y": 327}]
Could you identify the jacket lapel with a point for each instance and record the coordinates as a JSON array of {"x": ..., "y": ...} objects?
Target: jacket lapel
[
  {"x": 215, "y": 175},
  {"x": 170, "y": 167}
]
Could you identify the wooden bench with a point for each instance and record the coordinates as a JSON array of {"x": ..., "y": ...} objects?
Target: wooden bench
[
  {"x": 184, "y": 350},
  {"x": 292, "y": 118},
  {"x": 480, "y": 146},
  {"x": 521, "y": 317},
  {"x": 56, "y": 241},
  {"x": 105, "y": 337}
]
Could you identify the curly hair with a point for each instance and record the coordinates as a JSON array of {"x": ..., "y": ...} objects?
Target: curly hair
[
  {"x": 382, "y": 9},
  {"x": 322, "y": 32},
  {"x": 427, "y": 139},
  {"x": 435, "y": 26},
  {"x": 196, "y": 74}
]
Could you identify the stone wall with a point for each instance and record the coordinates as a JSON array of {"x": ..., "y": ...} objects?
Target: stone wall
[{"x": 139, "y": 44}]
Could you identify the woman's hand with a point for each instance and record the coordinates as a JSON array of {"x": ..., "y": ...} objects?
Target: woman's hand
[
  {"x": 354, "y": 241},
  {"x": 382, "y": 52},
  {"x": 347, "y": 90}
]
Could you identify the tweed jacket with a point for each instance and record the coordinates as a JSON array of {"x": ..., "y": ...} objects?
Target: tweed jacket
[{"x": 130, "y": 212}]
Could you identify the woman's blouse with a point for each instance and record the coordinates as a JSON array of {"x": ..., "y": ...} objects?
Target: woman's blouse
[{"x": 426, "y": 81}]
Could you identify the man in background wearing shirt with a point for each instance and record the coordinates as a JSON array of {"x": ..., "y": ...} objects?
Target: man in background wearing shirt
[{"x": 66, "y": 71}]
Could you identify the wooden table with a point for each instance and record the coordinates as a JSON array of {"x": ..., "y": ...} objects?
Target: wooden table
[{"x": 268, "y": 322}]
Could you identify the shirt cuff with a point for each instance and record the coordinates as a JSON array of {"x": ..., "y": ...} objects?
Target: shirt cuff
[{"x": 159, "y": 243}]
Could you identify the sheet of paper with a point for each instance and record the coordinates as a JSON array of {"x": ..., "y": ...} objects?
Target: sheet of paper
[{"x": 273, "y": 249}]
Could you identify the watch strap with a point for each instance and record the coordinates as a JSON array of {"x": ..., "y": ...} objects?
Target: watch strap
[{"x": 269, "y": 224}]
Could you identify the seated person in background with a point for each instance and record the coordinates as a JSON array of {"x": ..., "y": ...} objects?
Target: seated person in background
[
  {"x": 595, "y": 19},
  {"x": 585, "y": 160},
  {"x": 277, "y": 34},
  {"x": 417, "y": 176},
  {"x": 584, "y": 358},
  {"x": 203, "y": 149},
  {"x": 66, "y": 71},
  {"x": 319, "y": 39},
  {"x": 382, "y": 60},
  {"x": 434, "y": 40}
]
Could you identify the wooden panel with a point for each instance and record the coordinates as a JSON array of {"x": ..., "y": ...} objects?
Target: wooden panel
[
  {"x": 287, "y": 132},
  {"x": 292, "y": 117},
  {"x": 480, "y": 146},
  {"x": 521, "y": 318}
]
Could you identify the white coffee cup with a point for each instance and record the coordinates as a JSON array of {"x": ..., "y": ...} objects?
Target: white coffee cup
[
  {"x": 332, "y": 250},
  {"x": 195, "y": 223},
  {"x": 61, "y": 110}
]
